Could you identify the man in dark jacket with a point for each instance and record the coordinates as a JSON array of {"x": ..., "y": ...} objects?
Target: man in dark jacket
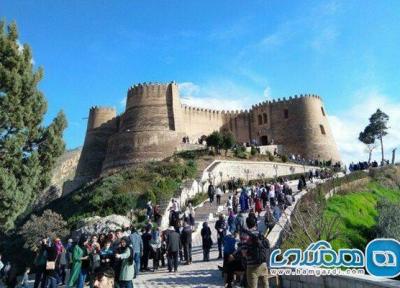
[
  {"x": 173, "y": 246},
  {"x": 186, "y": 238},
  {"x": 220, "y": 226},
  {"x": 146, "y": 238}
]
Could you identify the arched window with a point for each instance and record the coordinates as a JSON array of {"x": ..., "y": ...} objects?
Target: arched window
[
  {"x": 322, "y": 129},
  {"x": 259, "y": 119},
  {"x": 265, "y": 118}
]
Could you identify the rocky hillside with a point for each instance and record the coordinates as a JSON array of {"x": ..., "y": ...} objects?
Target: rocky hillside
[{"x": 63, "y": 171}]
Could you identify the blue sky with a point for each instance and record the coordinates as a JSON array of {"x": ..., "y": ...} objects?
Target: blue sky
[{"x": 228, "y": 54}]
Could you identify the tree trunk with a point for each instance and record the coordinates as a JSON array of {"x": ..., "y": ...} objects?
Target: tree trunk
[
  {"x": 383, "y": 154},
  {"x": 369, "y": 156}
]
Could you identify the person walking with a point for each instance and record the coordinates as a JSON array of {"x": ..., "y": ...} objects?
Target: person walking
[
  {"x": 211, "y": 193},
  {"x": 146, "y": 238},
  {"x": 220, "y": 226},
  {"x": 231, "y": 221},
  {"x": 173, "y": 246},
  {"x": 137, "y": 244},
  {"x": 186, "y": 238},
  {"x": 155, "y": 244},
  {"x": 206, "y": 241},
  {"x": 219, "y": 195},
  {"x": 244, "y": 201},
  {"x": 255, "y": 251}
]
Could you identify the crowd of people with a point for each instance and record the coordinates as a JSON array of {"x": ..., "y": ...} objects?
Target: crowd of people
[{"x": 116, "y": 258}]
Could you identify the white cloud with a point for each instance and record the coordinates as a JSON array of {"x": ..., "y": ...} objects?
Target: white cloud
[
  {"x": 188, "y": 89},
  {"x": 223, "y": 95},
  {"x": 324, "y": 38},
  {"x": 267, "y": 93},
  {"x": 20, "y": 46},
  {"x": 347, "y": 125},
  {"x": 122, "y": 102}
]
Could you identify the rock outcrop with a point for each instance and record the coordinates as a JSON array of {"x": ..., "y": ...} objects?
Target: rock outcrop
[
  {"x": 98, "y": 225},
  {"x": 64, "y": 170}
]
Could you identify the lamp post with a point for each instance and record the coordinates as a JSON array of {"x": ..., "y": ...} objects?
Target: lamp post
[
  {"x": 263, "y": 177},
  {"x": 275, "y": 166},
  {"x": 220, "y": 175},
  {"x": 247, "y": 171}
]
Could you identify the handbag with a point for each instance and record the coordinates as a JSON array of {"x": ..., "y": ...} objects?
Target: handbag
[{"x": 50, "y": 265}]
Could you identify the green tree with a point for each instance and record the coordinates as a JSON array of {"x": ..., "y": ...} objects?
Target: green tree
[
  {"x": 49, "y": 224},
  {"x": 378, "y": 125},
  {"x": 368, "y": 138},
  {"x": 228, "y": 140},
  {"x": 215, "y": 140},
  {"x": 28, "y": 150}
]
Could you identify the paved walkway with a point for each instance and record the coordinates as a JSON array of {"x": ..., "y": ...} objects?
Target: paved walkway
[{"x": 199, "y": 274}]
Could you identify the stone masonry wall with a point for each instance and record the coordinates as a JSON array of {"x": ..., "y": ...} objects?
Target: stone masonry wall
[{"x": 155, "y": 122}]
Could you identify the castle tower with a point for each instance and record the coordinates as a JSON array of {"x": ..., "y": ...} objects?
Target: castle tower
[
  {"x": 102, "y": 123},
  {"x": 299, "y": 124},
  {"x": 151, "y": 127}
]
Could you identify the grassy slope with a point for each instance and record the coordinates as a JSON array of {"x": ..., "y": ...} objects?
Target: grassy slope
[
  {"x": 125, "y": 190},
  {"x": 357, "y": 214}
]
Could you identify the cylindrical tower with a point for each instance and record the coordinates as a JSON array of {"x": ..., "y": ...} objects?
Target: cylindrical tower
[
  {"x": 301, "y": 125},
  {"x": 151, "y": 127},
  {"x": 102, "y": 123}
]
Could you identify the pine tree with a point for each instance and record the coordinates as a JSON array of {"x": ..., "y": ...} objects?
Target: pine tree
[
  {"x": 368, "y": 138},
  {"x": 28, "y": 150},
  {"x": 378, "y": 123}
]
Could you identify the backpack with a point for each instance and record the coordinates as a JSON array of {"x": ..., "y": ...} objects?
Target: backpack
[{"x": 260, "y": 248}]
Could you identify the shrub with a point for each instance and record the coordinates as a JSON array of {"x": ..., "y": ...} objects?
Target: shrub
[
  {"x": 284, "y": 158},
  {"x": 49, "y": 224},
  {"x": 253, "y": 151},
  {"x": 388, "y": 222},
  {"x": 240, "y": 152},
  {"x": 270, "y": 156},
  {"x": 215, "y": 140}
]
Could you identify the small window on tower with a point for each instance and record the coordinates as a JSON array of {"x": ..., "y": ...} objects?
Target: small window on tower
[
  {"x": 259, "y": 119},
  {"x": 265, "y": 118},
  {"x": 286, "y": 113},
  {"x": 323, "y": 111},
  {"x": 322, "y": 129}
]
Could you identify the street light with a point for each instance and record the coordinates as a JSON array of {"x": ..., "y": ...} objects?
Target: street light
[
  {"x": 220, "y": 175},
  {"x": 247, "y": 171},
  {"x": 275, "y": 166}
]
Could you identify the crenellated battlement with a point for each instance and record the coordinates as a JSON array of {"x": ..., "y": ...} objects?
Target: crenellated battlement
[
  {"x": 102, "y": 108},
  {"x": 149, "y": 87},
  {"x": 188, "y": 108},
  {"x": 291, "y": 100}
]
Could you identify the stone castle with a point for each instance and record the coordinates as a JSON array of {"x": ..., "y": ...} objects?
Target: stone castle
[{"x": 155, "y": 122}]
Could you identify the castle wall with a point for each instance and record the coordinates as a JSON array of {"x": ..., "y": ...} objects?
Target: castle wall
[{"x": 155, "y": 122}]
